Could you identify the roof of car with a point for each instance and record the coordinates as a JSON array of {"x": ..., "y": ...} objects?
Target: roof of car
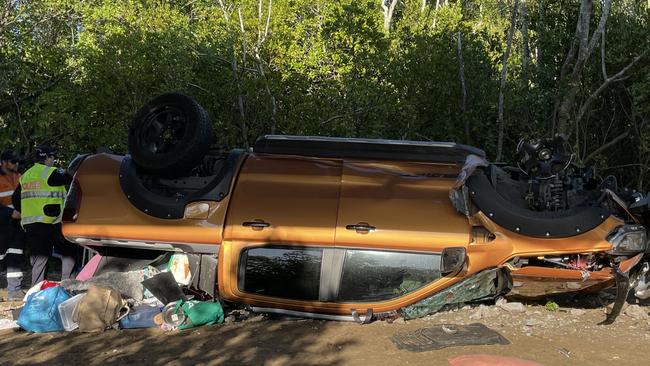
[{"x": 339, "y": 147}]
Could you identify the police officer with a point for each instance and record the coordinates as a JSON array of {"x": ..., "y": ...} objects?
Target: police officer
[
  {"x": 11, "y": 234},
  {"x": 39, "y": 198}
]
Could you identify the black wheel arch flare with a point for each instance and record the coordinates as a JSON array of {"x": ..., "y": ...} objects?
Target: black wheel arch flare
[
  {"x": 559, "y": 224},
  {"x": 174, "y": 207}
]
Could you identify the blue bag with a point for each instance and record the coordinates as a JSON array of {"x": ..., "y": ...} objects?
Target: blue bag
[
  {"x": 41, "y": 311},
  {"x": 140, "y": 317}
]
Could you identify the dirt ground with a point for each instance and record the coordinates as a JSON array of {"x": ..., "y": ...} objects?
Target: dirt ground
[{"x": 566, "y": 336}]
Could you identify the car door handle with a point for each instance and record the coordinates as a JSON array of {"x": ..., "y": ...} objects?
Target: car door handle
[
  {"x": 361, "y": 228},
  {"x": 256, "y": 224}
]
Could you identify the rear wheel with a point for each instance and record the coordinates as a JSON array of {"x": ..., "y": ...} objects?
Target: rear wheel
[{"x": 170, "y": 135}]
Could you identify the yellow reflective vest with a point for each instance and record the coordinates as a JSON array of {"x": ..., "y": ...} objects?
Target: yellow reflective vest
[{"x": 36, "y": 194}]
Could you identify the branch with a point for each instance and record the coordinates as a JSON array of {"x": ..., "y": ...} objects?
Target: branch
[
  {"x": 20, "y": 123},
  {"x": 356, "y": 111},
  {"x": 619, "y": 76},
  {"x": 607, "y": 146},
  {"x": 602, "y": 56},
  {"x": 243, "y": 37},
  {"x": 8, "y": 106},
  {"x": 198, "y": 87},
  {"x": 268, "y": 21}
]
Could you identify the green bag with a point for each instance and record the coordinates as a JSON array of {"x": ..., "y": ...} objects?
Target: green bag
[{"x": 200, "y": 313}]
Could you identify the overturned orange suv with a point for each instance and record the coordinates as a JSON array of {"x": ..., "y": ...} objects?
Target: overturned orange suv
[{"x": 341, "y": 228}]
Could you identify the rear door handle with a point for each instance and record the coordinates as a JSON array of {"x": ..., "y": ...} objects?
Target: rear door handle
[
  {"x": 256, "y": 224},
  {"x": 361, "y": 228}
]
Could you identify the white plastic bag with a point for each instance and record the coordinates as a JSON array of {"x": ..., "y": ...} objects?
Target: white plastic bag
[{"x": 179, "y": 266}]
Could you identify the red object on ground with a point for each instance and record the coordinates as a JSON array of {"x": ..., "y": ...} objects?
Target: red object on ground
[
  {"x": 48, "y": 284},
  {"x": 490, "y": 360}
]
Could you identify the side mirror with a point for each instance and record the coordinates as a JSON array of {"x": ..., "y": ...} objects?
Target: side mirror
[{"x": 453, "y": 259}]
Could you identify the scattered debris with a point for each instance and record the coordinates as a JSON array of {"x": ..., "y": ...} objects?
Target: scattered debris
[
  {"x": 513, "y": 307},
  {"x": 483, "y": 312},
  {"x": 449, "y": 330},
  {"x": 636, "y": 312},
  {"x": 564, "y": 352},
  {"x": 533, "y": 322},
  {"x": 437, "y": 337},
  {"x": 577, "y": 312},
  {"x": 7, "y": 324}
]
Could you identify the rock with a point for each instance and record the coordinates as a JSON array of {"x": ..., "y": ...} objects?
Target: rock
[
  {"x": 513, "y": 307},
  {"x": 256, "y": 318},
  {"x": 484, "y": 312},
  {"x": 636, "y": 312},
  {"x": 533, "y": 322},
  {"x": 477, "y": 315},
  {"x": 229, "y": 319},
  {"x": 577, "y": 312}
]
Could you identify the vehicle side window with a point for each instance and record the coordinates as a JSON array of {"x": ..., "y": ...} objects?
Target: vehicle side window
[
  {"x": 290, "y": 273},
  {"x": 381, "y": 275}
]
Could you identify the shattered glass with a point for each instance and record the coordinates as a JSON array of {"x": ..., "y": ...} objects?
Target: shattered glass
[{"x": 481, "y": 286}]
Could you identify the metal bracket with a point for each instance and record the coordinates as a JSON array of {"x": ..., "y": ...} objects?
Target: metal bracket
[{"x": 366, "y": 320}]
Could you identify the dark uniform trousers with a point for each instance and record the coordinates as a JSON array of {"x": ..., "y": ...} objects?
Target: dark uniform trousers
[
  {"x": 12, "y": 239},
  {"x": 41, "y": 238}
]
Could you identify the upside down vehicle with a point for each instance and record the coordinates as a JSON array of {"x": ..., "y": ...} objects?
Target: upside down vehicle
[{"x": 343, "y": 228}]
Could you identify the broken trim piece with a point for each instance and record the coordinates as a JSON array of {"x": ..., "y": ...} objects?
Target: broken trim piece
[
  {"x": 302, "y": 314},
  {"x": 622, "y": 289}
]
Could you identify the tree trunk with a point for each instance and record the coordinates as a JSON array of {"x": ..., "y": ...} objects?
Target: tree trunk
[
  {"x": 435, "y": 14},
  {"x": 461, "y": 76},
  {"x": 524, "y": 36},
  {"x": 581, "y": 50},
  {"x": 261, "y": 38},
  {"x": 235, "y": 72},
  {"x": 504, "y": 69},
  {"x": 389, "y": 8}
]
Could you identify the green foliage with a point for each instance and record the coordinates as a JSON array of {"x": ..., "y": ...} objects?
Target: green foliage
[
  {"x": 73, "y": 73},
  {"x": 552, "y": 306}
]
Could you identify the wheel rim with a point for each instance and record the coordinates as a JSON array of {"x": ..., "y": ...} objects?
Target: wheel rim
[{"x": 162, "y": 130}]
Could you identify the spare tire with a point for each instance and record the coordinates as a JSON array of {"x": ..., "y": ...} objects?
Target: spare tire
[{"x": 170, "y": 135}]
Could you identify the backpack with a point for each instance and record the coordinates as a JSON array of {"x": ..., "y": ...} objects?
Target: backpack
[{"x": 101, "y": 308}]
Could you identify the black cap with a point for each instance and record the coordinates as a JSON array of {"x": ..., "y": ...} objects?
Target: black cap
[
  {"x": 10, "y": 155},
  {"x": 43, "y": 151}
]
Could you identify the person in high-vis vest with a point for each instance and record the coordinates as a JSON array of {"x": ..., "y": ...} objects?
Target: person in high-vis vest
[
  {"x": 39, "y": 198},
  {"x": 12, "y": 238}
]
